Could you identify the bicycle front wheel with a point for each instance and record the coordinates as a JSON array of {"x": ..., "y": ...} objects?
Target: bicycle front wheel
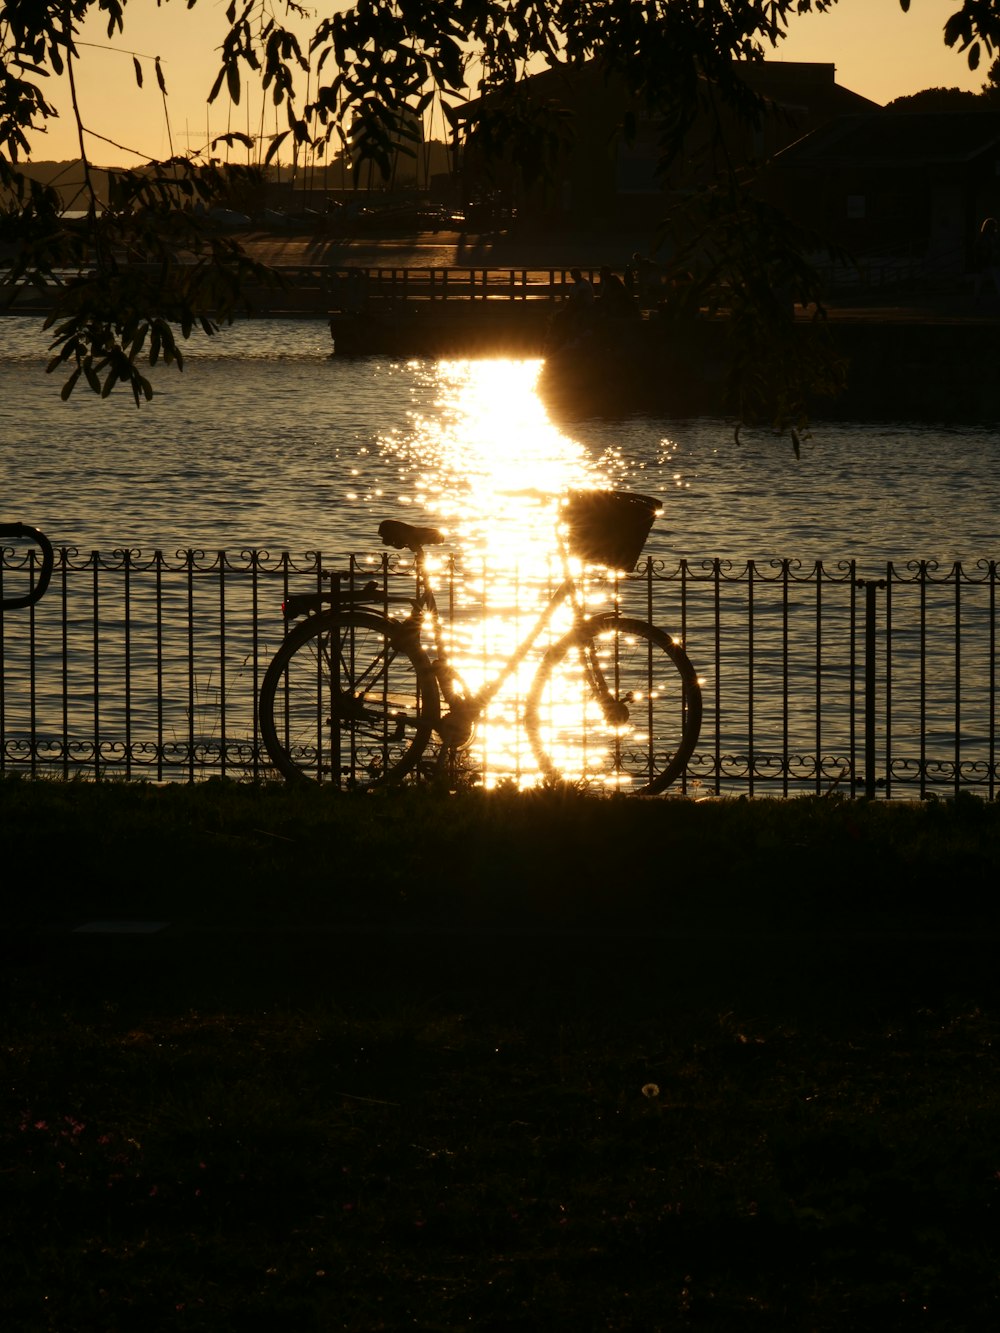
[
  {"x": 615, "y": 706},
  {"x": 349, "y": 699}
]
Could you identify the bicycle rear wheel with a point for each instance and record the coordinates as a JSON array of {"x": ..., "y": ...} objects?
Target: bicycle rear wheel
[
  {"x": 349, "y": 699},
  {"x": 615, "y": 706}
]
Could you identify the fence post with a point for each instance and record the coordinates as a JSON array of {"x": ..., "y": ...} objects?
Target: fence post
[{"x": 871, "y": 587}]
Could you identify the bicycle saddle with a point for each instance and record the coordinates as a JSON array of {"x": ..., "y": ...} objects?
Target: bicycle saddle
[{"x": 405, "y": 536}]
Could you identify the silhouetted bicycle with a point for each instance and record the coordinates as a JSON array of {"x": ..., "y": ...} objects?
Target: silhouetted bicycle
[
  {"x": 21, "y": 532},
  {"x": 352, "y": 697}
]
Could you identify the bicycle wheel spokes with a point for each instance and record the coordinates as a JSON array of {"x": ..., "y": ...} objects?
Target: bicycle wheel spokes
[
  {"x": 347, "y": 700},
  {"x": 618, "y": 711}
]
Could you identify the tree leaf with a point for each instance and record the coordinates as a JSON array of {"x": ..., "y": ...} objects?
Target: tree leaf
[
  {"x": 138, "y": 70},
  {"x": 276, "y": 143},
  {"x": 213, "y": 94}
]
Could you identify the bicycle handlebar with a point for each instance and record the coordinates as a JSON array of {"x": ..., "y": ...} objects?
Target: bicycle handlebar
[{"x": 24, "y": 532}]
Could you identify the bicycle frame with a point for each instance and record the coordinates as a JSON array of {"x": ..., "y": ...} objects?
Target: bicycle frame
[
  {"x": 464, "y": 709},
  {"x": 457, "y": 726}
]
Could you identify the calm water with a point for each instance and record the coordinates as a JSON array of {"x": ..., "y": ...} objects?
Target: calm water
[{"x": 266, "y": 441}]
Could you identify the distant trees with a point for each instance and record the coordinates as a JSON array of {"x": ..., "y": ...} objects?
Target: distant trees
[
  {"x": 938, "y": 99},
  {"x": 954, "y": 99},
  {"x": 149, "y": 266},
  {"x": 990, "y": 91}
]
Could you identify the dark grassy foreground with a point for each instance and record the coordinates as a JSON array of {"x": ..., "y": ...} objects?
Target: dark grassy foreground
[{"x": 656, "y": 1065}]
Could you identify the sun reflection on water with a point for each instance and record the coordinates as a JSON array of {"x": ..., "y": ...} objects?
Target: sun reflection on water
[
  {"x": 492, "y": 462},
  {"x": 489, "y": 468}
]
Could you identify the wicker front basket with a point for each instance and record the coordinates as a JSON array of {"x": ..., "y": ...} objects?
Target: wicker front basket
[{"x": 608, "y": 527}]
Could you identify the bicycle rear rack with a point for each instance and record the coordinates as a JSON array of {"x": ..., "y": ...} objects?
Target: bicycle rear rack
[{"x": 310, "y": 603}]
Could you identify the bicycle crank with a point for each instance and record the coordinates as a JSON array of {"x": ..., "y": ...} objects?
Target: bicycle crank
[
  {"x": 616, "y": 711},
  {"x": 355, "y": 708},
  {"x": 457, "y": 728}
]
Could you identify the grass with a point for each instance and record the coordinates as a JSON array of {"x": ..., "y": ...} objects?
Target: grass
[
  {"x": 368, "y": 1080},
  {"x": 272, "y": 855}
]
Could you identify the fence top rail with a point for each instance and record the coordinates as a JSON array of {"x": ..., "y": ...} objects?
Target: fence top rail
[
  {"x": 204, "y": 559},
  {"x": 933, "y": 571}
]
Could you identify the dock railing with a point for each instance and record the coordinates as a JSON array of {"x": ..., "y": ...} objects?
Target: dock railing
[
  {"x": 815, "y": 678},
  {"x": 356, "y": 289}
]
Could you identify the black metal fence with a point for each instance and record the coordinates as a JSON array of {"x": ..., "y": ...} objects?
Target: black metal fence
[{"x": 149, "y": 667}]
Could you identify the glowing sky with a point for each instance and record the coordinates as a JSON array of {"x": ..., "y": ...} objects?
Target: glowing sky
[{"x": 878, "y": 51}]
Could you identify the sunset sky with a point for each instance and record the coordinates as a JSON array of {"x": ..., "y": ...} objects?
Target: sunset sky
[{"x": 878, "y": 51}]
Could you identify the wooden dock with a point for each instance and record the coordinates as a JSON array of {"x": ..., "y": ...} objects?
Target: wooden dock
[
  {"x": 429, "y": 311},
  {"x": 432, "y": 311}
]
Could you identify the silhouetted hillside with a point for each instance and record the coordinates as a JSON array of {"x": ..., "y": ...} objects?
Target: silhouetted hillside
[{"x": 68, "y": 179}]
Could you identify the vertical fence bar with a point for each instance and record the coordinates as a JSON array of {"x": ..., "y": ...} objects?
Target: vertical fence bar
[
  {"x": 222, "y": 663},
  {"x": 485, "y": 664},
  {"x": 717, "y": 666},
  {"x": 869, "y": 689},
  {"x": 957, "y": 575},
  {"x": 818, "y": 670},
  {"x": 685, "y": 594},
  {"x": 751, "y": 761},
  {"x": 190, "y": 661},
  {"x": 992, "y": 688},
  {"x": 255, "y": 662},
  {"x": 335, "y": 731},
  {"x": 887, "y": 585},
  {"x": 871, "y": 587},
  {"x": 784, "y": 677},
  {"x": 328, "y": 738},
  {"x": 158, "y": 566},
  {"x": 922, "y": 576},
  {"x": 852, "y": 690},
  {"x": 32, "y": 672},
  {"x": 520, "y": 615},
  {"x": 64, "y": 658},
  {"x": 648, "y": 579},
  {"x": 96, "y": 559},
  {"x": 3, "y": 675},
  {"x": 127, "y": 599}
]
